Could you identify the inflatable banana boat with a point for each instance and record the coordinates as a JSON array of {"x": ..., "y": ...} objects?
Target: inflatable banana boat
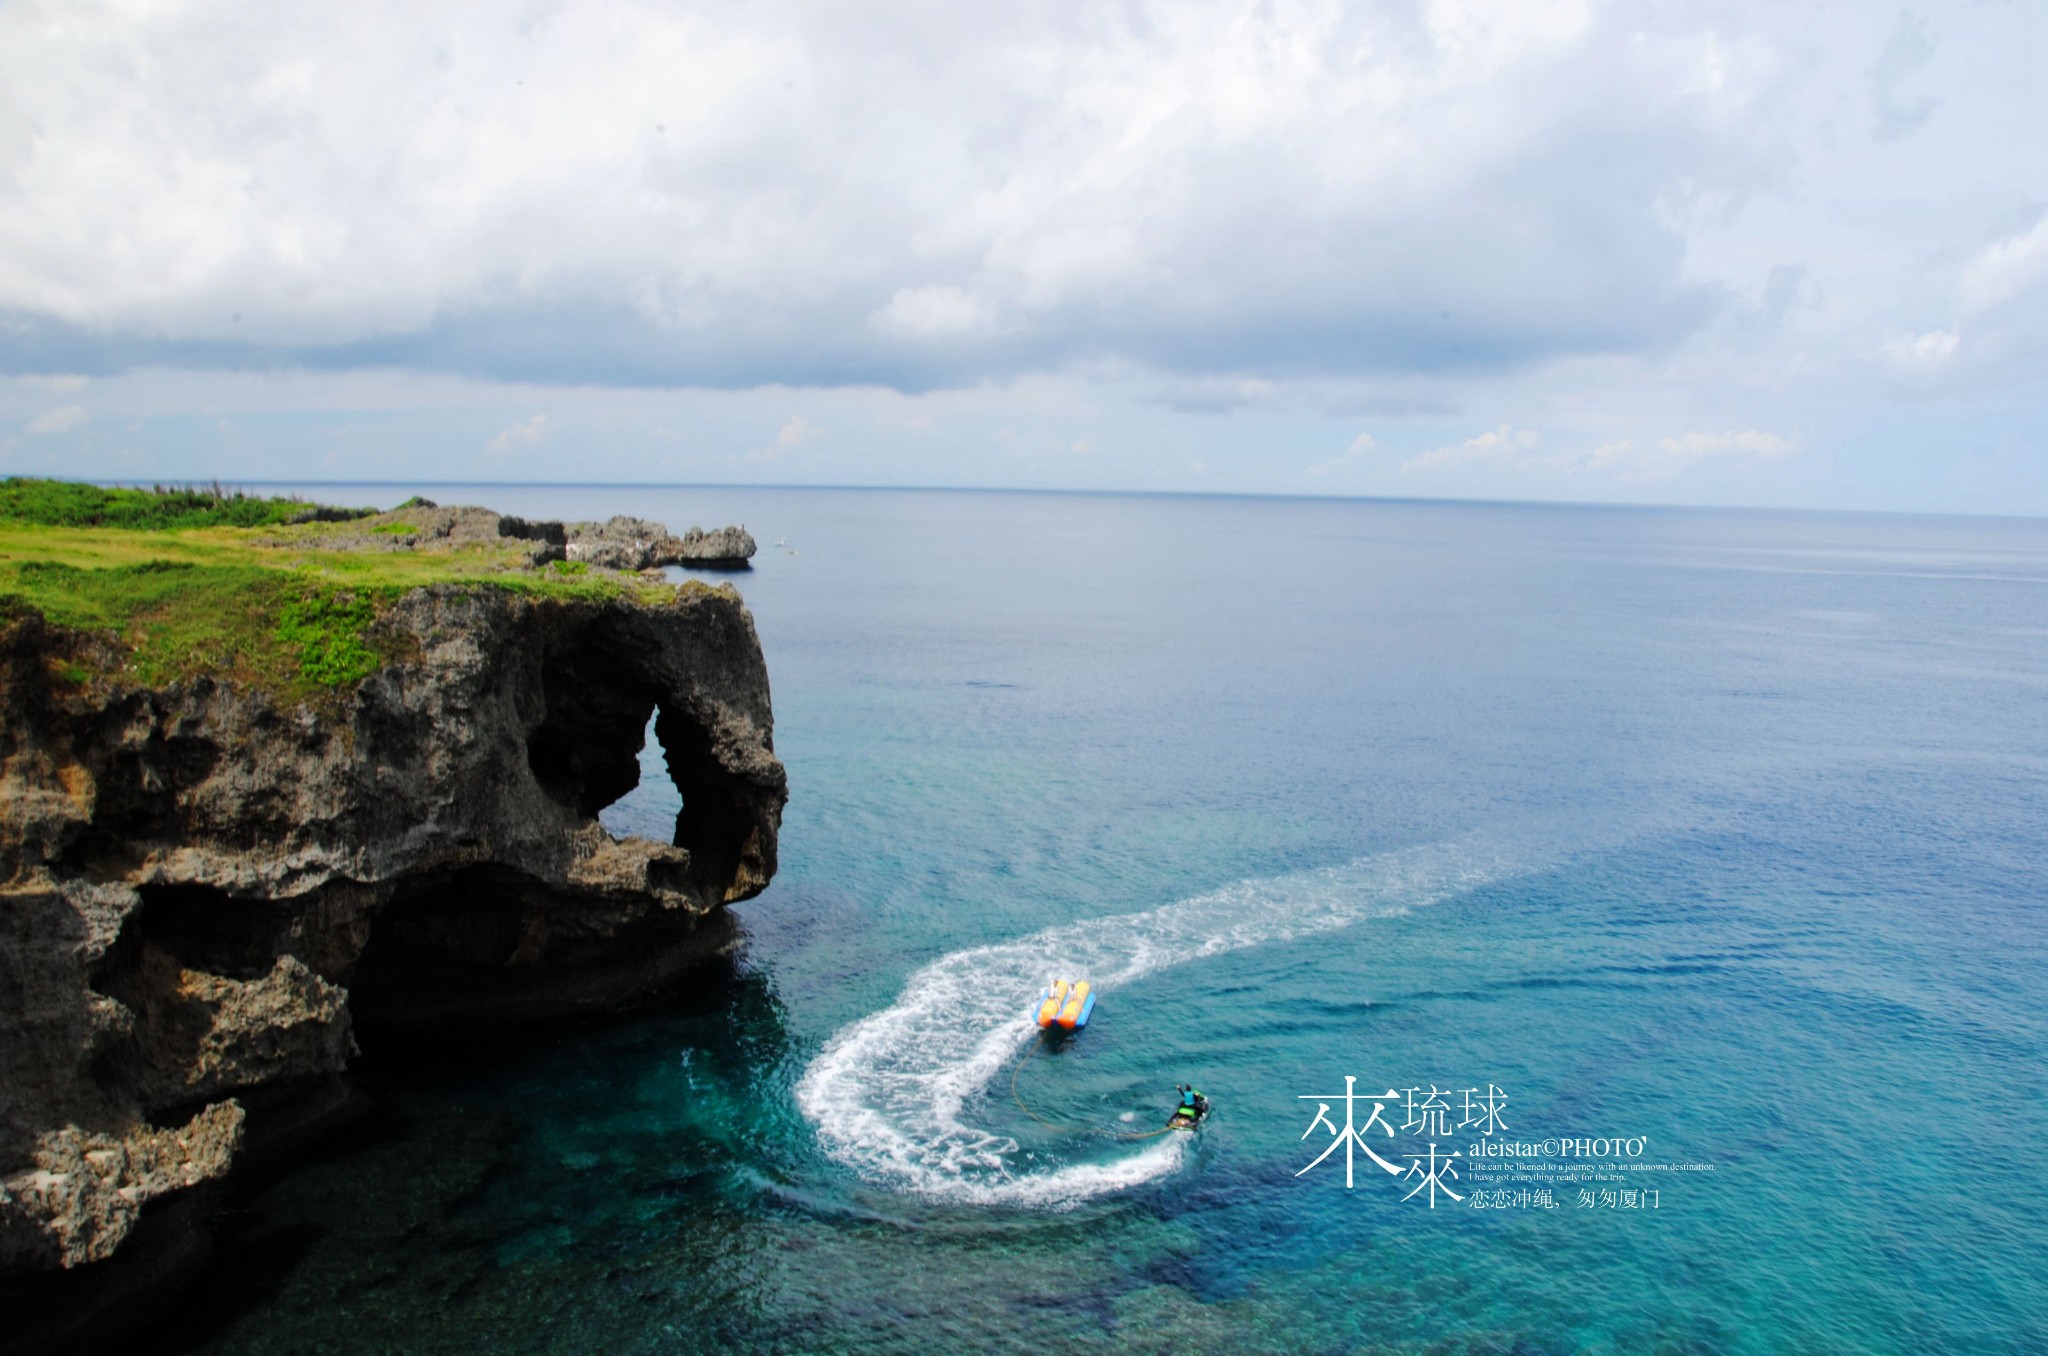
[{"x": 1064, "y": 1005}]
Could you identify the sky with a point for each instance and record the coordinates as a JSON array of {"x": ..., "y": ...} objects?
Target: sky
[{"x": 1694, "y": 253}]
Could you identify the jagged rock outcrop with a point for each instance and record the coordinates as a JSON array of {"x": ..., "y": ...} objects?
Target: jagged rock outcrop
[
  {"x": 204, "y": 894},
  {"x": 623, "y": 543},
  {"x": 422, "y": 525}
]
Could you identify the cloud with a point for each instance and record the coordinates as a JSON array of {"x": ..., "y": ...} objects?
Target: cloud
[
  {"x": 1665, "y": 458},
  {"x": 1782, "y": 290},
  {"x": 932, "y": 313},
  {"x": 1500, "y": 445},
  {"x": 1625, "y": 460},
  {"x": 2007, "y": 268},
  {"x": 1318, "y": 190},
  {"x": 1906, "y": 53},
  {"x": 529, "y": 430},
  {"x": 1350, "y": 457},
  {"x": 1214, "y": 394},
  {"x": 1250, "y": 230},
  {"x": 794, "y": 433},
  {"x": 62, "y": 419},
  {"x": 1998, "y": 305},
  {"x": 55, "y": 382},
  {"x": 1924, "y": 352}
]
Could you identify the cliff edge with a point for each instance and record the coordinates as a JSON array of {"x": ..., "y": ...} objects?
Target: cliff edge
[{"x": 208, "y": 880}]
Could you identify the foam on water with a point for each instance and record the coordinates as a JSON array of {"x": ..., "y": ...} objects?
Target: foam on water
[{"x": 888, "y": 1094}]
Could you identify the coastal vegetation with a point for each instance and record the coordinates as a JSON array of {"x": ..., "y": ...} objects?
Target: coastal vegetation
[
  {"x": 278, "y": 594},
  {"x": 69, "y": 503}
]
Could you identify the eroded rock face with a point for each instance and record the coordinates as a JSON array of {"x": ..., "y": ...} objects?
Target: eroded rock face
[
  {"x": 623, "y": 543},
  {"x": 203, "y": 896}
]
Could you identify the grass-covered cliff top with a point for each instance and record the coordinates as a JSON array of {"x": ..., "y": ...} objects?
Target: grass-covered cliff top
[{"x": 192, "y": 582}]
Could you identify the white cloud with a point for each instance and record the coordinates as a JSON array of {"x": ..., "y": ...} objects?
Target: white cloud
[
  {"x": 1349, "y": 458},
  {"x": 794, "y": 433},
  {"x": 1630, "y": 461},
  {"x": 932, "y": 313},
  {"x": 2005, "y": 269},
  {"x": 1268, "y": 225},
  {"x": 607, "y": 190},
  {"x": 62, "y": 419},
  {"x": 1924, "y": 352},
  {"x": 528, "y": 430},
  {"x": 55, "y": 382},
  {"x": 1501, "y": 445},
  {"x": 1625, "y": 460},
  {"x": 2000, "y": 306}
]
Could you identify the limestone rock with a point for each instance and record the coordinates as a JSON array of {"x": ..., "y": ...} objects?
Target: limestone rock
[
  {"x": 87, "y": 1188},
  {"x": 623, "y": 543},
  {"x": 203, "y": 895}
]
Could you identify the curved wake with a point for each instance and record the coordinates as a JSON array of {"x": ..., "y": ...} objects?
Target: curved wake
[{"x": 887, "y": 1092}]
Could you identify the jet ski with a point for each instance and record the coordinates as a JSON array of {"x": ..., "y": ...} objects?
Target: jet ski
[
  {"x": 1065, "y": 1005},
  {"x": 1187, "y": 1117}
]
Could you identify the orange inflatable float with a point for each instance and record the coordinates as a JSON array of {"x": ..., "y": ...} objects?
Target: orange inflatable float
[{"x": 1065, "y": 1005}]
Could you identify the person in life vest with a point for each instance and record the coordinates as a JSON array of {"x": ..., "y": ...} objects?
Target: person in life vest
[{"x": 1192, "y": 1102}]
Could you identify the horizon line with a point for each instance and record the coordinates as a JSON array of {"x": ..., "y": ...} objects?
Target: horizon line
[
  {"x": 1279, "y": 495},
  {"x": 1435, "y": 501}
]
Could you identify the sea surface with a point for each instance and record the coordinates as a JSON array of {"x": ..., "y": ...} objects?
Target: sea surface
[{"x": 1714, "y": 836}]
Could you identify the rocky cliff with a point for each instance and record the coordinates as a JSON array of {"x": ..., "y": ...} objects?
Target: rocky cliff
[{"x": 206, "y": 890}]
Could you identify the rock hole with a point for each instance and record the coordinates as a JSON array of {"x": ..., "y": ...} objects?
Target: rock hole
[
  {"x": 598, "y": 748},
  {"x": 652, "y": 807},
  {"x": 714, "y": 823},
  {"x": 683, "y": 796},
  {"x": 586, "y": 752}
]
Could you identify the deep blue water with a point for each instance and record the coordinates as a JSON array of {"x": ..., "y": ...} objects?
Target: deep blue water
[{"x": 1718, "y": 830}]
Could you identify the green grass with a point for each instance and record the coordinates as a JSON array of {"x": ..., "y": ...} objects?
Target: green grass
[
  {"x": 395, "y": 529},
  {"x": 70, "y": 503},
  {"x": 267, "y": 605},
  {"x": 329, "y": 632}
]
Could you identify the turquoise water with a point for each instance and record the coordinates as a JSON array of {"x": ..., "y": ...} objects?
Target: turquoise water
[{"x": 1721, "y": 831}]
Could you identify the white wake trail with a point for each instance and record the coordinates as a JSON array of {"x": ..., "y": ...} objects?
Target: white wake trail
[{"x": 887, "y": 1092}]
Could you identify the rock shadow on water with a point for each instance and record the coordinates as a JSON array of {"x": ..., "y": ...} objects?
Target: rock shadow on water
[{"x": 499, "y": 1173}]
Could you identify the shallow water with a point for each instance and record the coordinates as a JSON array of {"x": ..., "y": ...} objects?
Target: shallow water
[{"x": 1718, "y": 830}]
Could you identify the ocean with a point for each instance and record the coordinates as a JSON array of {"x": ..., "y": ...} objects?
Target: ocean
[{"x": 1665, "y": 888}]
